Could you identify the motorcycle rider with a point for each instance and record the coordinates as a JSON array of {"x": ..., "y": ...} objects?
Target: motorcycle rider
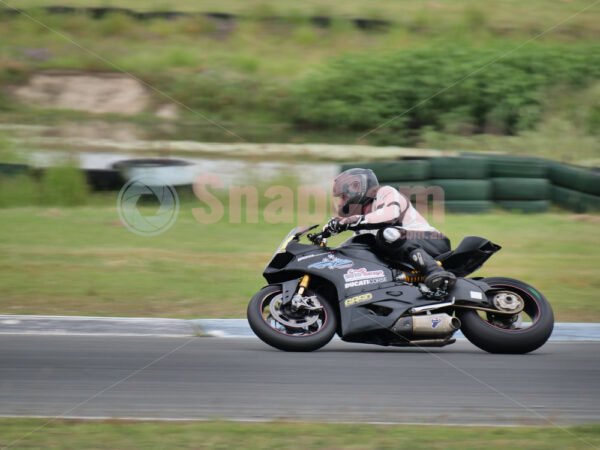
[{"x": 401, "y": 233}]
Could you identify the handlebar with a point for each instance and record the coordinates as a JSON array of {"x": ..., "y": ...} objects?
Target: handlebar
[{"x": 319, "y": 238}]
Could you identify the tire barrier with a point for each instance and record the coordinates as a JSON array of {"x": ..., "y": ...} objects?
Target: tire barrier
[
  {"x": 104, "y": 180},
  {"x": 406, "y": 170},
  {"x": 508, "y": 166},
  {"x": 167, "y": 171},
  {"x": 574, "y": 200},
  {"x": 7, "y": 169},
  {"x": 472, "y": 182},
  {"x": 101, "y": 12},
  {"x": 575, "y": 178},
  {"x": 465, "y": 189},
  {"x": 469, "y": 206},
  {"x": 520, "y": 189},
  {"x": 525, "y": 206},
  {"x": 459, "y": 168}
]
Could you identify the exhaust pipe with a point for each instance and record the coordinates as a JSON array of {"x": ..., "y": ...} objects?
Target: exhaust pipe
[{"x": 426, "y": 326}]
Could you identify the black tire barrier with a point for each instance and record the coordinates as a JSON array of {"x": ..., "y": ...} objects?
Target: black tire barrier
[
  {"x": 100, "y": 12},
  {"x": 10, "y": 170},
  {"x": 370, "y": 24},
  {"x": 574, "y": 200},
  {"x": 104, "y": 180},
  {"x": 514, "y": 166},
  {"x": 468, "y": 206},
  {"x": 459, "y": 168},
  {"x": 525, "y": 206},
  {"x": 406, "y": 170},
  {"x": 575, "y": 178},
  {"x": 520, "y": 189},
  {"x": 465, "y": 189}
]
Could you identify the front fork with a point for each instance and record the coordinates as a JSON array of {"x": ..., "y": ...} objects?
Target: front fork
[
  {"x": 305, "y": 279},
  {"x": 303, "y": 284}
]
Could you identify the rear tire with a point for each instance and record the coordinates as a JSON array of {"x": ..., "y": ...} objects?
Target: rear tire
[
  {"x": 495, "y": 339},
  {"x": 262, "y": 323}
]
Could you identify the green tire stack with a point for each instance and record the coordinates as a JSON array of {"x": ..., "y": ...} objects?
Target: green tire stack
[
  {"x": 464, "y": 182},
  {"x": 574, "y": 188},
  {"x": 407, "y": 175},
  {"x": 475, "y": 182},
  {"x": 519, "y": 183}
]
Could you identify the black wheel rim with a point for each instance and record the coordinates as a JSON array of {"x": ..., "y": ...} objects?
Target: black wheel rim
[
  {"x": 528, "y": 318},
  {"x": 284, "y": 321}
]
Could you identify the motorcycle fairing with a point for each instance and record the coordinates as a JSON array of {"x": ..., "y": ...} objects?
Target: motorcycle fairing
[
  {"x": 390, "y": 301},
  {"x": 285, "y": 266}
]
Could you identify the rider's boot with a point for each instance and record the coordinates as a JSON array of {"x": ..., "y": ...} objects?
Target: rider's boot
[{"x": 436, "y": 278}]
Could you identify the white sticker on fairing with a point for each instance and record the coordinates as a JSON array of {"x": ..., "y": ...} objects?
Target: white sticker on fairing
[
  {"x": 364, "y": 282},
  {"x": 477, "y": 295},
  {"x": 302, "y": 258},
  {"x": 362, "y": 274}
]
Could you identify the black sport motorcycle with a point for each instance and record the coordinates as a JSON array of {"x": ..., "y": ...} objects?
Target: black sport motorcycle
[{"x": 315, "y": 291}]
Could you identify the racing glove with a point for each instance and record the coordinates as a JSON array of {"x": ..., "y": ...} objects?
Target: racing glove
[{"x": 339, "y": 224}]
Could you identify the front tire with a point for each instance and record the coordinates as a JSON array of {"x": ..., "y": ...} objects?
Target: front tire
[
  {"x": 294, "y": 333},
  {"x": 497, "y": 337}
]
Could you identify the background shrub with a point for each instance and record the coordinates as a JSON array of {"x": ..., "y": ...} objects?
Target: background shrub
[{"x": 443, "y": 88}]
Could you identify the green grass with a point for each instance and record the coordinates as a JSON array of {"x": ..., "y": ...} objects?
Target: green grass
[
  {"x": 69, "y": 434},
  {"x": 83, "y": 261}
]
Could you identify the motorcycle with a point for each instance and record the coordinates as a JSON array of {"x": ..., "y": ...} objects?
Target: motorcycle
[{"x": 315, "y": 291}]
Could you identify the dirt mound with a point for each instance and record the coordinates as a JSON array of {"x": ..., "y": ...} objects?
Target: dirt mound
[{"x": 95, "y": 93}]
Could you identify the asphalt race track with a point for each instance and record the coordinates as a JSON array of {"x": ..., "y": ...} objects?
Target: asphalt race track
[{"x": 151, "y": 377}]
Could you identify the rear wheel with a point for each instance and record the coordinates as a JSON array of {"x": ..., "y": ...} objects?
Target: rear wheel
[
  {"x": 306, "y": 326},
  {"x": 522, "y": 332}
]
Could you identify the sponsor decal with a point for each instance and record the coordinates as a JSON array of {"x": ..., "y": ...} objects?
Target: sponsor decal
[
  {"x": 364, "y": 282},
  {"x": 357, "y": 299},
  {"x": 332, "y": 262},
  {"x": 302, "y": 258},
  {"x": 435, "y": 321},
  {"x": 362, "y": 274},
  {"x": 477, "y": 295}
]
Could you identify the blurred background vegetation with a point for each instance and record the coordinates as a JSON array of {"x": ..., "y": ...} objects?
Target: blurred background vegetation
[{"x": 272, "y": 74}]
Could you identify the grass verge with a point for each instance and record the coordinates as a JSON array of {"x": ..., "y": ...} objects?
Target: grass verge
[
  {"x": 222, "y": 434},
  {"x": 83, "y": 261}
]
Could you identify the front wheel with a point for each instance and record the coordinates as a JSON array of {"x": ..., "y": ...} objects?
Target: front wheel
[
  {"x": 300, "y": 328},
  {"x": 503, "y": 333}
]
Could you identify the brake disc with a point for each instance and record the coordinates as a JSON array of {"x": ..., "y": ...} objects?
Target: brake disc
[{"x": 287, "y": 321}]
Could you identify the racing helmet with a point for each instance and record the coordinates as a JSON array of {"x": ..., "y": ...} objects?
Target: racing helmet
[{"x": 353, "y": 189}]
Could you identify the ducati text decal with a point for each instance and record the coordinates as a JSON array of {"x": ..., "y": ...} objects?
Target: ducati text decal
[{"x": 364, "y": 282}]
